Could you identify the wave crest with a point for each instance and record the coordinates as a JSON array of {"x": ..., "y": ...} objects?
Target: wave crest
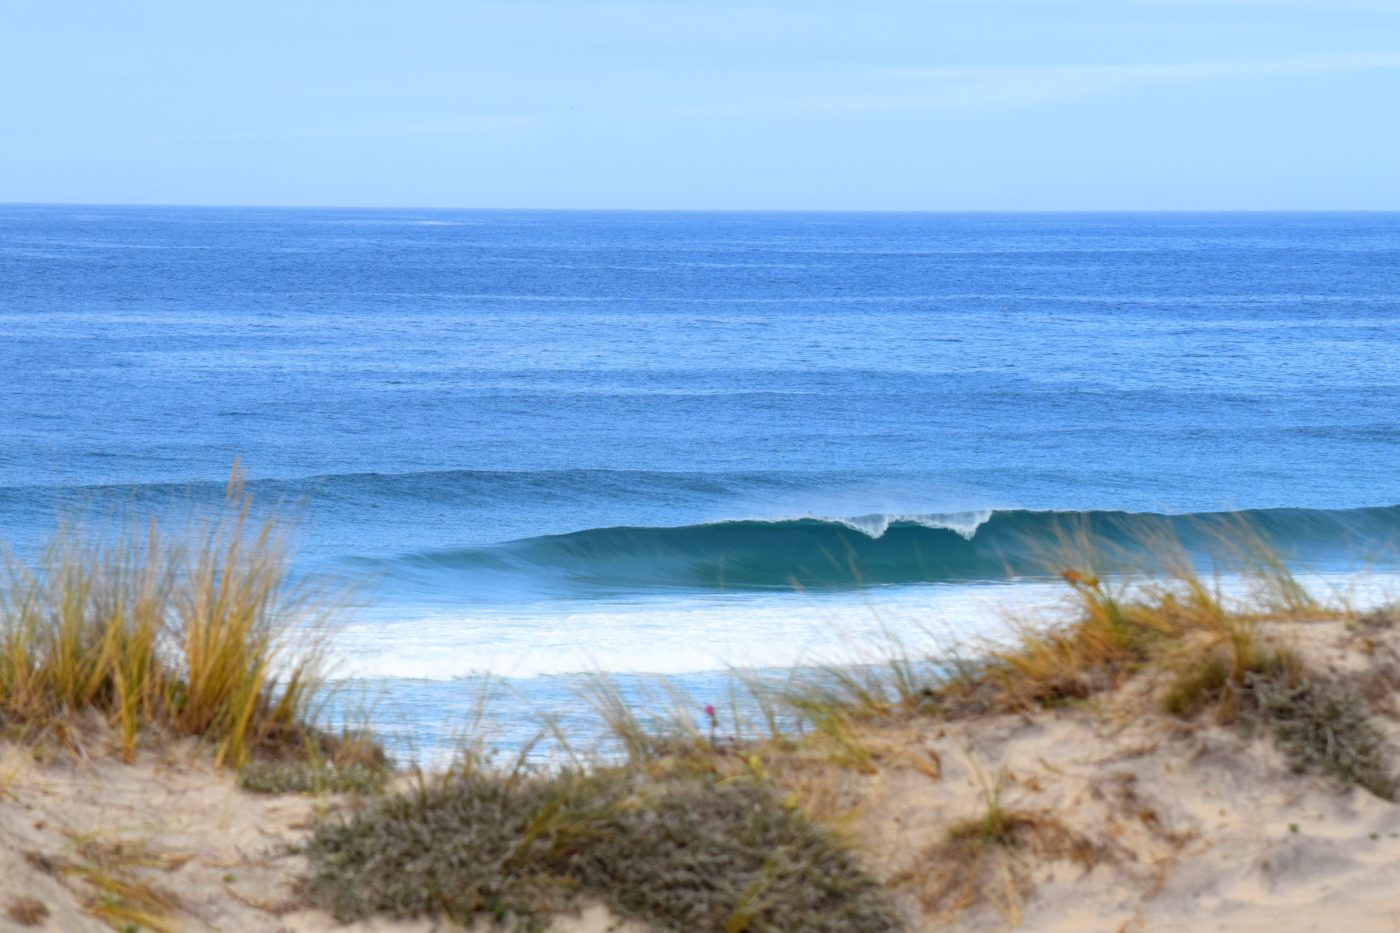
[{"x": 888, "y": 549}]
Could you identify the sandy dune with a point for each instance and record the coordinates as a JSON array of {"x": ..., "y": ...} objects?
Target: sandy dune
[
  {"x": 1148, "y": 823},
  {"x": 1194, "y": 827},
  {"x": 180, "y": 825}
]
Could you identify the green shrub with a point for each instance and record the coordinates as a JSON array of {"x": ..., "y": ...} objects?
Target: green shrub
[
  {"x": 295, "y": 777},
  {"x": 683, "y": 855},
  {"x": 1322, "y": 726}
]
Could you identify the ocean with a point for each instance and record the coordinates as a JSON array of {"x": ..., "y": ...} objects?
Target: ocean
[{"x": 541, "y": 444}]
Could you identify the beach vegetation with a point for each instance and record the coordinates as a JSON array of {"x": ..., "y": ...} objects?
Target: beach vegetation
[
  {"x": 1213, "y": 651},
  {"x": 1323, "y": 726},
  {"x": 110, "y": 878},
  {"x": 989, "y": 857},
  {"x": 305, "y": 777},
  {"x": 197, "y": 633},
  {"x": 26, "y": 911},
  {"x": 1377, "y": 618},
  {"x": 685, "y": 853}
]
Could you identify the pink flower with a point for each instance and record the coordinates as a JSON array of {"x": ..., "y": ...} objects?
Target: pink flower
[{"x": 710, "y": 711}]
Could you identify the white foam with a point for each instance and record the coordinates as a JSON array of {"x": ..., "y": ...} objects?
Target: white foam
[
  {"x": 669, "y": 636},
  {"x": 876, "y": 524},
  {"x": 712, "y": 632},
  {"x": 963, "y": 523}
]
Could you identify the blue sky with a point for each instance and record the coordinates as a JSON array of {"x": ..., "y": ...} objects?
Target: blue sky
[{"x": 782, "y": 104}]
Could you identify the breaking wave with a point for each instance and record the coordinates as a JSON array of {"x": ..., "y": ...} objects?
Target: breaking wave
[{"x": 894, "y": 549}]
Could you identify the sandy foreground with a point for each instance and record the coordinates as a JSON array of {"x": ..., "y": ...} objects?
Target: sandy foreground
[
  {"x": 222, "y": 855},
  {"x": 1150, "y": 824}
]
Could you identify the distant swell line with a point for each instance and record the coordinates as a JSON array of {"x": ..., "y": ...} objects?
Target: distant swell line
[{"x": 426, "y": 483}]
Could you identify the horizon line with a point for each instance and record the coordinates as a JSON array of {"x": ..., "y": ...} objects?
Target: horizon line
[{"x": 704, "y": 210}]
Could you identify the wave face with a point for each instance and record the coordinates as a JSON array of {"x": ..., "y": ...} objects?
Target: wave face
[
  {"x": 439, "y": 534},
  {"x": 873, "y": 550}
]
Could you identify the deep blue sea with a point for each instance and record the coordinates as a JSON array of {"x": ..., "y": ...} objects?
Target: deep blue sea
[{"x": 543, "y": 443}]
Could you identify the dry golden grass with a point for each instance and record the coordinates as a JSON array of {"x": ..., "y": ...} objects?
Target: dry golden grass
[
  {"x": 111, "y": 881},
  {"x": 992, "y": 859},
  {"x": 195, "y": 634},
  {"x": 1210, "y": 647},
  {"x": 27, "y": 911},
  {"x": 1174, "y": 620}
]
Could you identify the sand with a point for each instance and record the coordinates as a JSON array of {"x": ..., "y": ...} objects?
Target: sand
[
  {"x": 1149, "y": 823},
  {"x": 1196, "y": 827},
  {"x": 182, "y": 826}
]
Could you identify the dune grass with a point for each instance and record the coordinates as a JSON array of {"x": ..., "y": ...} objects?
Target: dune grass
[
  {"x": 1212, "y": 650},
  {"x": 990, "y": 856},
  {"x": 197, "y": 633},
  {"x": 112, "y": 881}
]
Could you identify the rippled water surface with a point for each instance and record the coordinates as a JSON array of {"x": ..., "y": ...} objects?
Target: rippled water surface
[{"x": 548, "y": 442}]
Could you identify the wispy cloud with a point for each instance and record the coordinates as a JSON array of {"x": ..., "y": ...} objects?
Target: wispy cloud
[{"x": 953, "y": 87}]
